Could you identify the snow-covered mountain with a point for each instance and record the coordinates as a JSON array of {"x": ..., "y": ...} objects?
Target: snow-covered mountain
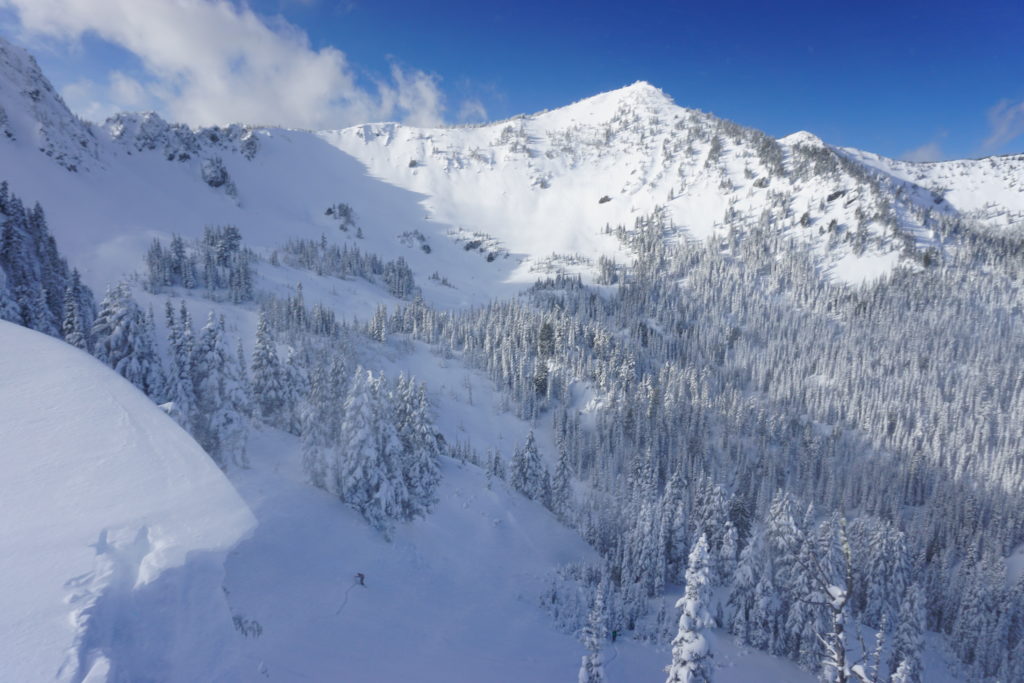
[
  {"x": 415, "y": 251},
  {"x": 554, "y": 181},
  {"x": 532, "y": 195},
  {"x": 33, "y": 113}
]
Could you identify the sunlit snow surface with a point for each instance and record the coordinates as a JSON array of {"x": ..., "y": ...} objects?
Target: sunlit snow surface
[{"x": 115, "y": 524}]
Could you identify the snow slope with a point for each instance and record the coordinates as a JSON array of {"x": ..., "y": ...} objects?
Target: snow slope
[
  {"x": 990, "y": 190},
  {"x": 115, "y": 526},
  {"x": 452, "y": 598},
  {"x": 138, "y": 177}
]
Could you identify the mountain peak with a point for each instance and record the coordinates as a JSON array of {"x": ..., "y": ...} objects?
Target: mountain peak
[
  {"x": 642, "y": 91},
  {"x": 640, "y": 95},
  {"x": 32, "y": 111},
  {"x": 640, "y": 86},
  {"x": 802, "y": 137}
]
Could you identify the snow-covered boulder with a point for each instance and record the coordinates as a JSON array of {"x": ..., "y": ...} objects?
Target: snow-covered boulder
[{"x": 115, "y": 527}]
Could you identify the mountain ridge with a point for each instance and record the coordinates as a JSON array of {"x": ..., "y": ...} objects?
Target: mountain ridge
[{"x": 552, "y": 187}]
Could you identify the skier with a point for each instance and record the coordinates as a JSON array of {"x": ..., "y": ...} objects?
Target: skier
[{"x": 361, "y": 578}]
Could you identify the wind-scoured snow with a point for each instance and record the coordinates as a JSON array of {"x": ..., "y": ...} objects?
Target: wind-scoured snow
[{"x": 115, "y": 521}]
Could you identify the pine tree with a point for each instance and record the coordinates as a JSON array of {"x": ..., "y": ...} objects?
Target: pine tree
[
  {"x": 691, "y": 656},
  {"x": 123, "y": 339},
  {"x": 244, "y": 387},
  {"x": 743, "y": 589},
  {"x": 34, "y": 310},
  {"x": 221, "y": 425},
  {"x": 764, "y": 614},
  {"x": 527, "y": 471},
  {"x": 71, "y": 325},
  {"x": 496, "y": 467},
  {"x": 8, "y": 304},
  {"x": 321, "y": 419},
  {"x": 806, "y": 618},
  {"x": 180, "y": 389},
  {"x": 833, "y": 573},
  {"x": 208, "y": 366},
  {"x": 236, "y": 399},
  {"x": 909, "y": 642},
  {"x": 727, "y": 553},
  {"x": 268, "y": 390},
  {"x": 317, "y": 414},
  {"x": 561, "y": 488},
  {"x": 778, "y": 589},
  {"x": 420, "y": 451},
  {"x": 112, "y": 328},
  {"x": 366, "y": 471},
  {"x": 295, "y": 386},
  {"x": 154, "y": 381},
  {"x": 77, "y": 320},
  {"x": 677, "y": 527},
  {"x": 593, "y": 635}
]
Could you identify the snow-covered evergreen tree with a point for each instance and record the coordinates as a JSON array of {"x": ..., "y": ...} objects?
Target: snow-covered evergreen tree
[
  {"x": 295, "y": 386},
  {"x": 154, "y": 377},
  {"x": 366, "y": 472},
  {"x": 268, "y": 390},
  {"x": 78, "y": 317},
  {"x": 8, "y": 304},
  {"x": 727, "y": 555},
  {"x": 35, "y": 274},
  {"x": 72, "y": 327},
  {"x": 527, "y": 472},
  {"x": 691, "y": 655},
  {"x": 237, "y": 399},
  {"x": 180, "y": 388},
  {"x": 743, "y": 593},
  {"x": 807, "y": 618},
  {"x": 123, "y": 339},
  {"x": 420, "y": 451},
  {"x": 593, "y": 635},
  {"x": 321, "y": 419},
  {"x": 908, "y": 645},
  {"x": 220, "y": 422},
  {"x": 114, "y": 328},
  {"x": 561, "y": 502}
]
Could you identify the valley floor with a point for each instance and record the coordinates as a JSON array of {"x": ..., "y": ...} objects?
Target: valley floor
[{"x": 453, "y": 597}]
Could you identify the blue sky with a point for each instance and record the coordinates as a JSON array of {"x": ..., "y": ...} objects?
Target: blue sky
[{"x": 923, "y": 80}]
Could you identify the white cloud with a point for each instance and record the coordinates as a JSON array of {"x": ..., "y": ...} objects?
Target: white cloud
[
  {"x": 1006, "y": 124},
  {"x": 214, "y": 62},
  {"x": 930, "y": 151},
  {"x": 416, "y": 93},
  {"x": 126, "y": 92},
  {"x": 96, "y": 101},
  {"x": 472, "y": 110},
  {"x": 84, "y": 97}
]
